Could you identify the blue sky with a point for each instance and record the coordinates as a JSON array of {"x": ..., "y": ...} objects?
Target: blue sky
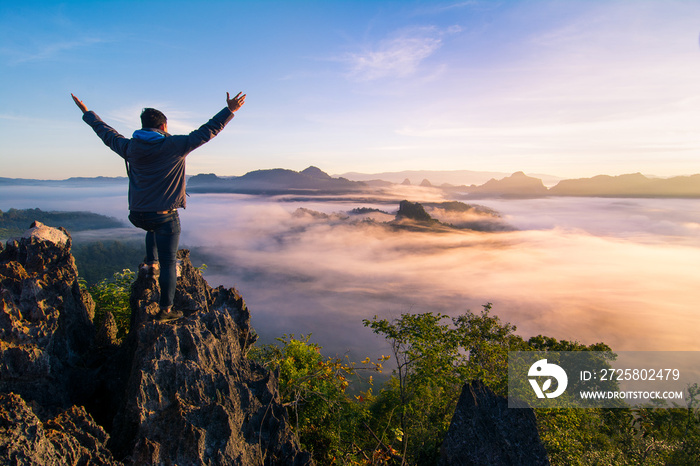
[{"x": 569, "y": 88}]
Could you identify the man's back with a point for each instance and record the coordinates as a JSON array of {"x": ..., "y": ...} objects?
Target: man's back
[{"x": 156, "y": 160}]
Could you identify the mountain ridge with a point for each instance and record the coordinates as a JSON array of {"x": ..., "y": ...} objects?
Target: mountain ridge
[
  {"x": 634, "y": 184},
  {"x": 275, "y": 181},
  {"x": 314, "y": 181},
  {"x": 441, "y": 177}
]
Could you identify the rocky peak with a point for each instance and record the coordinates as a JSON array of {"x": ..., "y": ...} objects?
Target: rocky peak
[
  {"x": 485, "y": 431},
  {"x": 58, "y": 237},
  {"x": 192, "y": 396},
  {"x": 45, "y": 319}
]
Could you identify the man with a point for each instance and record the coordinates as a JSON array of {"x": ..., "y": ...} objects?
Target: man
[{"x": 155, "y": 163}]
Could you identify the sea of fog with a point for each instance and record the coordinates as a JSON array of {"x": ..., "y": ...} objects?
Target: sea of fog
[{"x": 620, "y": 271}]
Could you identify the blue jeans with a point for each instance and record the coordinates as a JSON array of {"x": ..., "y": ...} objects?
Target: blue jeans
[{"x": 162, "y": 238}]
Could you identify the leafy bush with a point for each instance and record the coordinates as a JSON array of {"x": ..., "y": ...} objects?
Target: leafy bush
[
  {"x": 326, "y": 420},
  {"x": 435, "y": 356},
  {"x": 112, "y": 295}
]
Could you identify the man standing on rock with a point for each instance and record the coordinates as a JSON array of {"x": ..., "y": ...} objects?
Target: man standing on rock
[{"x": 155, "y": 163}]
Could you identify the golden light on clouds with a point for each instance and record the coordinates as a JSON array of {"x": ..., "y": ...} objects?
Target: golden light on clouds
[{"x": 635, "y": 292}]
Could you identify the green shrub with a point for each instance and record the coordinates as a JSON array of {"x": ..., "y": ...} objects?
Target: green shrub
[
  {"x": 112, "y": 295},
  {"x": 327, "y": 421}
]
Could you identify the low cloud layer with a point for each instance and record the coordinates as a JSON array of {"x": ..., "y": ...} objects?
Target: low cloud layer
[
  {"x": 618, "y": 272},
  {"x": 623, "y": 272}
]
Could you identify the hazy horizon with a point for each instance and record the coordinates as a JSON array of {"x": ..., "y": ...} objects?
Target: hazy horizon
[
  {"x": 415, "y": 177},
  {"x": 621, "y": 271}
]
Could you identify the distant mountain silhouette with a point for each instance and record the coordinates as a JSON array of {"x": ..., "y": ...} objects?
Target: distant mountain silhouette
[
  {"x": 275, "y": 181},
  {"x": 442, "y": 177},
  {"x": 413, "y": 216},
  {"x": 314, "y": 181},
  {"x": 517, "y": 185},
  {"x": 413, "y": 211},
  {"x": 631, "y": 185},
  {"x": 317, "y": 173}
]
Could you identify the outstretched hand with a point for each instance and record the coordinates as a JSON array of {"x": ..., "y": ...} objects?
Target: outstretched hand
[
  {"x": 79, "y": 103},
  {"x": 235, "y": 103}
]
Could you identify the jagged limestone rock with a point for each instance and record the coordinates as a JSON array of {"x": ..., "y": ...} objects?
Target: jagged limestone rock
[
  {"x": 72, "y": 437},
  {"x": 192, "y": 395},
  {"x": 42, "y": 232},
  {"x": 106, "y": 335},
  {"x": 45, "y": 319},
  {"x": 485, "y": 432}
]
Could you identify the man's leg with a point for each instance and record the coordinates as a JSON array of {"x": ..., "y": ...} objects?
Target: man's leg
[
  {"x": 151, "y": 266},
  {"x": 151, "y": 251},
  {"x": 162, "y": 238},
  {"x": 167, "y": 238}
]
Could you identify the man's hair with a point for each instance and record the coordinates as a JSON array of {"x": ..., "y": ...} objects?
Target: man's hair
[{"x": 152, "y": 118}]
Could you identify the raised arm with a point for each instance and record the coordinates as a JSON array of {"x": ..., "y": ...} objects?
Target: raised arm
[
  {"x": 211, "y": 128},
  {"x": 79, "y": 103},
  {"x": 109, "y": 135},
  {"x": 235, "y": 103}
]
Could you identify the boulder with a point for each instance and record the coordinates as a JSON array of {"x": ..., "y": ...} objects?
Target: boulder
[{"x": 484, "y": 431}]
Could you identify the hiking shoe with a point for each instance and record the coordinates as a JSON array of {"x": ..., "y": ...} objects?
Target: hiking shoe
[
  {"x": 151, "y": 270},
  {"x": 165, "y": 316}
]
